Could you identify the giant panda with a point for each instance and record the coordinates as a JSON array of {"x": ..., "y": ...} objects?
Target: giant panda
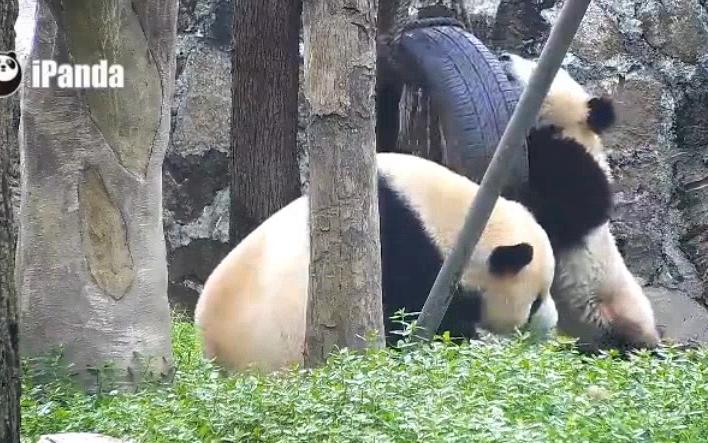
[
  {"x": 598, "y": 299},
  {"x": 251, "y": 312}
]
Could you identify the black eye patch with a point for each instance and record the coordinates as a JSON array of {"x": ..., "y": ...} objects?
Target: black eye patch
[
  {"x": 505, "y": 260},
  {"x": 11, "y": 63}
]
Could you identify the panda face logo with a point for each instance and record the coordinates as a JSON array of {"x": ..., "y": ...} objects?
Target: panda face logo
[{"x": 10, "y": 74}]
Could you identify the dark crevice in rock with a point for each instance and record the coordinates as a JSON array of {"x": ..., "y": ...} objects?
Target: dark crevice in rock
[
  {"x": 210, "y": 20},
  {"x": 520, "y": 27},
  {"x": 185, "y": 18},
  {"x": 196, "y": 179},
  {"x": 223, "y": 21},
  {"x": 189, "y": 268}
]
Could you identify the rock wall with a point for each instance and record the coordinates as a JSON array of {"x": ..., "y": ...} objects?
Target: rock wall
[{"x": 196, "y": 169}]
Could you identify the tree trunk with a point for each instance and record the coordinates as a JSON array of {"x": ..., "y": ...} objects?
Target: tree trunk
[
  {"x": 9, "y": 357},
  {"x": 265, "y": 106},
  {"x": 92, "y": 268},
  {"x": 345, "y": 266}
]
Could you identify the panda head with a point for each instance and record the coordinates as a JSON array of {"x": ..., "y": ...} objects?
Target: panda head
[
  {"x": 512, "y": 272},
  {"x": 506, "y": 283},
  {"x": 567, "y": 106},
  {"x": 515, "y": 292}
]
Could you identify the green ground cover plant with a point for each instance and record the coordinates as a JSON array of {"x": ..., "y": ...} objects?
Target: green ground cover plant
[{"x": 507, "y": 390}]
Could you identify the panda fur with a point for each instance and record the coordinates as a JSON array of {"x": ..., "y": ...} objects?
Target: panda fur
[
  {"x": 598, "y": 299},
  {"x": 251, "y": 312}
]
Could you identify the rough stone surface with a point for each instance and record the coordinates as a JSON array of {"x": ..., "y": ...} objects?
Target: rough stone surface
[
  {"x": 682, "y": 320},
  {"x": 196, "y": 169}
]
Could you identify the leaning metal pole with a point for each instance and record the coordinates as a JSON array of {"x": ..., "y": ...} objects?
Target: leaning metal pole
[{"x": 521, "y": 121}]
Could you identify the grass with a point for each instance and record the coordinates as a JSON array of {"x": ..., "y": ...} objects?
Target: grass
[{"x": 503, "y": 391}]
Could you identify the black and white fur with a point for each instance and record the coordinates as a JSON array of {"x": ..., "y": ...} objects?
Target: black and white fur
[
  {"x": 251, "y": 312},
  {"x": 598, "y": 299}
]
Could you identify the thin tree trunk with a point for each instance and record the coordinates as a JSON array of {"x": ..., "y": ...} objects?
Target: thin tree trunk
[
  {"x": 92, "y": 267},
  {"x": 345, "y": 267},
  {"x": 9, "y": 356},
  {"x": 264, "y": 130}
]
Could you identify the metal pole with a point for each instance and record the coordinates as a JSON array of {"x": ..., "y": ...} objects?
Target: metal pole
[{"x": 521, "y": 121}]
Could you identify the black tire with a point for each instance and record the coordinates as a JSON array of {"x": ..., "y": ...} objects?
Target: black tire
[{"x": 470, "y": 90}]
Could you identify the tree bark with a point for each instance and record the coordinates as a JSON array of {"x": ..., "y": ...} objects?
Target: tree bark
[
  {"x": 265, "y": 111},
  {"x": 92, "y": 268},
  {"x": 345, "y": 267},
  {"x": 9, "y": 356}
]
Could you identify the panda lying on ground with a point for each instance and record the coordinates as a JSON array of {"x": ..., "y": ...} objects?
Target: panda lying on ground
[
  {"x": 598, "y": 299},
  {"x": 252, "y": 310}
]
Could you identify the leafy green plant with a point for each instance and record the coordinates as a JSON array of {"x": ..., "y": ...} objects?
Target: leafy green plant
[{"x": 496, "y": 390}]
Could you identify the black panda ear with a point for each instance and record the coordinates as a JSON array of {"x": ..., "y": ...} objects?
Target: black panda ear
[
  {"x": 601, "y": 114},
  {"x": 510, "y": 259},
  {"x": 11, "y": 55}
]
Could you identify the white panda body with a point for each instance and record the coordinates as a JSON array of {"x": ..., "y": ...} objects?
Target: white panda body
[
  {"x": 598, "y": 298},
  {"x": 251, "y": 312},
  {"x": 594, "y": 284}
]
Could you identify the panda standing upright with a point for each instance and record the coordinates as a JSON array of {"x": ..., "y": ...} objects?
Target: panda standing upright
[{"x": 598, "y": 299}]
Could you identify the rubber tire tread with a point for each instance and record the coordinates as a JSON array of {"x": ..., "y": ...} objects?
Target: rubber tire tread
[{"x": 472, "y": 92}]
